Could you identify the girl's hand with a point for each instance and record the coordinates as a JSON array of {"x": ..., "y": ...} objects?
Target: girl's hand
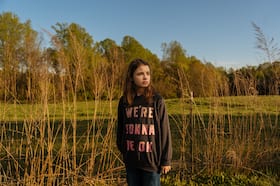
[{"x": 165, "y": 169}]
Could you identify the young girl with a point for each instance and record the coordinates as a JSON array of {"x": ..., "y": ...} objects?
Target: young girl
[{"x": 143, "y": 132}]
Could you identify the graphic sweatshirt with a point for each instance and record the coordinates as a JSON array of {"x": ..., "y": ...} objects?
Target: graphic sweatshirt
[{"x": 143, "y": 134}]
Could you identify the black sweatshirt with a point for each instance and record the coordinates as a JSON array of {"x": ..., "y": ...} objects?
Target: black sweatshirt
[{"x": 143, "y": 134}]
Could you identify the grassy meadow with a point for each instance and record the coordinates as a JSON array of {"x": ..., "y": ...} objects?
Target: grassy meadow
[{"x": 216, "y": 140}]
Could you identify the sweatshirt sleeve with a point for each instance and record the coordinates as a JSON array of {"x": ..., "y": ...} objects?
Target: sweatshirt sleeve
[
  {"x": 120, "y": 126},
  {"x": 165, "y": 136}
]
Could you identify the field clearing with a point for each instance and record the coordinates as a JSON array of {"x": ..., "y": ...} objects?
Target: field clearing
[
  {"x": 239, "y": 105},
  {"x": 74, "y": 143}
]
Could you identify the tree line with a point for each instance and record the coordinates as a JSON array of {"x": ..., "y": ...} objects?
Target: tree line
[{"x": 75, "y": 66}]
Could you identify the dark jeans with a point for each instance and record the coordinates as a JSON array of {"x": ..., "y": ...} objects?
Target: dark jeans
[{"x": 137, "y": 177}]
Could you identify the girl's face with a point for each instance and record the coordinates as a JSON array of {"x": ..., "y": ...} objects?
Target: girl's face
[{"x": 142, "y": 76}]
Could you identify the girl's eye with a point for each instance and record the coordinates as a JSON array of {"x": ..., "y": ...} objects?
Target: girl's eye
[{"x": 140, "y": 73}]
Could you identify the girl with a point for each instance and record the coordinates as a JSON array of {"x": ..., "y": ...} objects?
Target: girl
[{"x": 143, "y": 132}]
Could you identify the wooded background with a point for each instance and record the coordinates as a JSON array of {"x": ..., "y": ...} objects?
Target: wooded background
[{"x": 74, "y": 62}]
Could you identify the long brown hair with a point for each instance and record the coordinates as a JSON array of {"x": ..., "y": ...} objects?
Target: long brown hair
[{"x": 130, "y": 88}]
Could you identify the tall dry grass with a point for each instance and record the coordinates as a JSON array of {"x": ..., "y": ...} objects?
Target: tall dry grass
[
  {"x": 237, "y": 135},
  {"x": 39, "y": 149}
]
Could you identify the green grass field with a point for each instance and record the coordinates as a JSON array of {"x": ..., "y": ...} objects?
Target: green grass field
[
  {"x": 214, "y": 140},
  {"x": 240, "y": 105}
]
